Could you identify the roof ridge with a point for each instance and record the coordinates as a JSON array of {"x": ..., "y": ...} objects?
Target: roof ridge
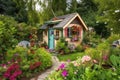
[{"x": 67, "y": 14}]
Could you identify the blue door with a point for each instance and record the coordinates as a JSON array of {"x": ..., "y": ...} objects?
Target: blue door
[{"x": 51, "y": 38}]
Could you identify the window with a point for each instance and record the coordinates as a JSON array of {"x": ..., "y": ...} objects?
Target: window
[
  {"x": 69, "y": 32},
  {"x": 57, "y": 33}
]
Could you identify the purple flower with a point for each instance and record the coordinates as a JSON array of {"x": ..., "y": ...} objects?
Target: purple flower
[
  {"x": 64, "y": 73},
  {"x": 62, "y": 66}
]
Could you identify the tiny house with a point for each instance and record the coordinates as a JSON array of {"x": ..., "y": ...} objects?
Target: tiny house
[{"x": 70, "y": 26}]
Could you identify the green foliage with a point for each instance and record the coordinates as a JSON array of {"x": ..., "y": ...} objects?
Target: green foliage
[
  {"x": 23, "y": 31},
  {"x": 91, "y": 39},
  {"x": 79, "y": 48},
  {"x": 44, "y": 57},
  {"x": 103, "y": 46},
  {"x": 109, "y": 9},
  {"x": 16, "y": 10},
  {"x": 72, "y": 56},
  {"x": 115, "y": 60},
  {"x": 102, "y": 30},
  {"x": 115, "y": 51},
  {"x": 7, "y": 30},
  {"x": 56, "y": 6},
  {"x": 87, "y": 10},
  {"x": 94, "y": 53},
  {"x": 113, "y": 37},
  {"x": 20, "y": 51},
  {"x": 62, "y": 45},
  {"x": 26, "y": 59}
]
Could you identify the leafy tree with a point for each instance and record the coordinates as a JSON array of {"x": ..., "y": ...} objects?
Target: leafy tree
[
  {"x": 58, "y": 6},
  {"x": 14, "y": 8},
  {"x": 109, "y": 13},
  {"x": 21, "y": 10}
]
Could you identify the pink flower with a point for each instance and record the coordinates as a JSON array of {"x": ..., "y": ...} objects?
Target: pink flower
[
  {"x": 86, "y": 58},
  {"x": 62, "y": 66},
  {"x": 64, "y": 73},
  {"x": 5, "y": 67},
  {"x": 105, "y": 57},
  {"x": 8, "y": 62}
]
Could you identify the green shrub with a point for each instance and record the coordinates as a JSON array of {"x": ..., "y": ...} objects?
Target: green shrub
[
  {"x": 103, "y": 46},
  {"x": 29, "y": 63},
  {"x": 94, "y": 53},
  {"x": 7, "y": 30},
  {"x": 44, "y": 57},
  {"x": 113, "y": 37},
  {"x": 115, "y": 51},
  {"x": 62, "y": 46},
  {"x": 18, "y": 51},
  {"x": 79, "y": 48}
]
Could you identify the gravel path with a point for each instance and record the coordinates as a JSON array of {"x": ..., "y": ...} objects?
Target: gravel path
[{"x": 56, "y": 64}]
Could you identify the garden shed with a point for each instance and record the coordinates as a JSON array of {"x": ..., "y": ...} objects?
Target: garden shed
[{"x": 70, "y": 26}]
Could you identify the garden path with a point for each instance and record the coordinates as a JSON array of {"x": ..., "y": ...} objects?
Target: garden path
[{"x": 56, "y": 64}]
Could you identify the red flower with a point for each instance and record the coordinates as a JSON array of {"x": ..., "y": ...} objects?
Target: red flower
[
  {"x": 13, "y": 72},
  {"x": 35, "y": 65},
  {"x": 30, "y": 36}
]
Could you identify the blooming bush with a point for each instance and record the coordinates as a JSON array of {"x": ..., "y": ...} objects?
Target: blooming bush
[{"x": 22, "y": 63}]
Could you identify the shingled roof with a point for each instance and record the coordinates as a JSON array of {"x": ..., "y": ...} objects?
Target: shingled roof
[{"x": 65, "y": 20}]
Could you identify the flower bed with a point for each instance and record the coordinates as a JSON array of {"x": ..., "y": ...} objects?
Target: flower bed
[
  {"x": 100, "y": 63},
  {"x": 85, "y": 68},
  {"x": 21, "y": 63}
]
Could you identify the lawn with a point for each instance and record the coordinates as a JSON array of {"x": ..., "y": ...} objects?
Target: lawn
[{"x": 72, "y": 56}]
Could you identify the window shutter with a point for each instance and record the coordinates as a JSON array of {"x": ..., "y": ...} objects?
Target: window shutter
[
  {"x": 66, "y": 32},
  {"x": 69, "y": 32},
  {"x": 79, "y": 31}
]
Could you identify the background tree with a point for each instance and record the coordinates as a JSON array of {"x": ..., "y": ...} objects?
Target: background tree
[
  {"x": 58, "y": 6},
  {"x": 14, "y": 8},
  {"x": 109, "y": 13},
  {"x": 7, "y": 33}
]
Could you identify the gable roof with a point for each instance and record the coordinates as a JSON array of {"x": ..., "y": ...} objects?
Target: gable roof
[{"x": 66, "y": 20}]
